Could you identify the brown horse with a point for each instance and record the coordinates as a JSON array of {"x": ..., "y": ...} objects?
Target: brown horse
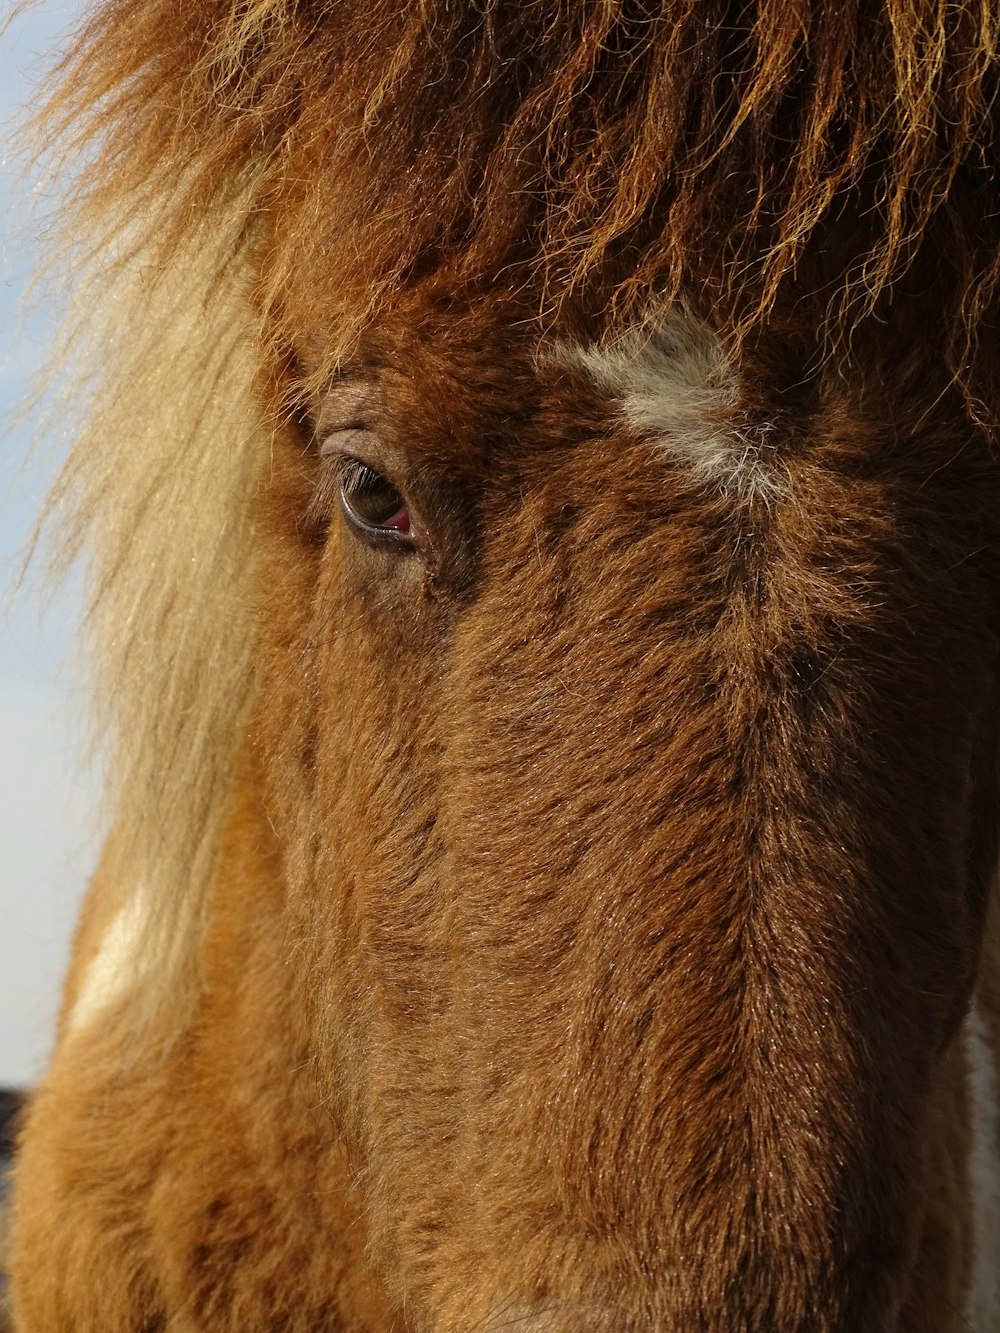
[{"x": 538, "y": 466}]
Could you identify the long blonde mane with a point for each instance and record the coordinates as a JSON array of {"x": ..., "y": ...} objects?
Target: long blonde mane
[{"x": 156, "y": 496}]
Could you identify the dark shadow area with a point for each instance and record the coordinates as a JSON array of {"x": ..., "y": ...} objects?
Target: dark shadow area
[{"x": 11, "y": 1103}]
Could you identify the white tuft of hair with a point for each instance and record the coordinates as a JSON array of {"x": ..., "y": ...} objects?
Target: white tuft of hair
[{"x": 676, "y": 387}]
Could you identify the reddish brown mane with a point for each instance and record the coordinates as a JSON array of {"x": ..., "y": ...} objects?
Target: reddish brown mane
[{"x": 768, "y": 157}]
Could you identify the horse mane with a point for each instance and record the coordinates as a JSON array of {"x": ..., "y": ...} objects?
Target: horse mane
[
  {"x": 156, "y": 497},
  {"x": 777, "y": 160}
]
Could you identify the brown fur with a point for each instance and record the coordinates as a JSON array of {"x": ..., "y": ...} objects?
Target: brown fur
[{"x": 571, "y": 928}]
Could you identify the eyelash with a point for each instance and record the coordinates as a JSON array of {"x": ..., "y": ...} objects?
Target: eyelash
[
  {"x": 371, "y": 502},
  {"x": 351, "y": 485}
]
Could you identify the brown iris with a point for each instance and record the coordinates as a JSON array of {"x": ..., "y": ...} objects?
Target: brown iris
[
  {"x": 371, "y": 501},
  {"x": 373, "y": 507}
]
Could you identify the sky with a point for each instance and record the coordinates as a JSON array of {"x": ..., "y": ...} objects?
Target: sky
[{"x": 47, "y": 796}]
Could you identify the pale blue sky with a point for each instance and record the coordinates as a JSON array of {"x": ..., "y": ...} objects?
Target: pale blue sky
[{"x": 46, "y": 841}]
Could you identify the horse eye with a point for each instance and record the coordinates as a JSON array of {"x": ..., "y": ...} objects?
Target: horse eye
[{"x": 371, "y": 503}]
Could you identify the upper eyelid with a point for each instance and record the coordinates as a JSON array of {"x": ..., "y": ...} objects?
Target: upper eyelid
[{"x": 353, "y": 442}]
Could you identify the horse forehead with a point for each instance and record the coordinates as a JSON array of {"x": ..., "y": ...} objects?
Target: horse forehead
[{"x": 667, "y": 381}]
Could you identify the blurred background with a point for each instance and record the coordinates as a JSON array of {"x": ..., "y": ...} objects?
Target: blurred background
[{"x": 47, "y": 847}]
